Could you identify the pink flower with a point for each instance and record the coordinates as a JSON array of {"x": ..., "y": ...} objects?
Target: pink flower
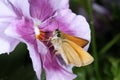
[{"x": 22, "y": 21}]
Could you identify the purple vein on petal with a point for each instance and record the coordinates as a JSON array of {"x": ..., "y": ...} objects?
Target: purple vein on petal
[
  {"x": 40, "y": 9},
  {"x": 13, "y": 8}
]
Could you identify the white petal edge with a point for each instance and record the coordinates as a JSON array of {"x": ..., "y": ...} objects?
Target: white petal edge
[
  {"x": 23, "y": 5},
  {"x": 5, "y": 11},
  {"x": 56, "y": 4},
  {"x": 7, "y": 45},
  {"x": 36, "y": 61},
  {"x": 59, "y": 75}
]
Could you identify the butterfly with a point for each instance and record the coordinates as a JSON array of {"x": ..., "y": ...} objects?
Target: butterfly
[{"x": 71, "y": 49}]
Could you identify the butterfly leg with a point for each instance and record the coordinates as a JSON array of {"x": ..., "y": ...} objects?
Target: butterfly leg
[
  {"x": 49, "y": 40},
  {"x": 56, "y": 52}
]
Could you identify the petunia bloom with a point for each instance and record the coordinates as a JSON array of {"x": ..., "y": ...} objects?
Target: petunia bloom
[{"x": 23, "y": 20}]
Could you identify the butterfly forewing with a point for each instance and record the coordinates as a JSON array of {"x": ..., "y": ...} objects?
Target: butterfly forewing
[{"x": 79, "y": 41}]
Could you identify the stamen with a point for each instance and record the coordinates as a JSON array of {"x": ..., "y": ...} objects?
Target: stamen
[
  {"x": 36, "y": 28},
  {"x": 37, "y": 31},
  {"x": 41, "y": 35}
]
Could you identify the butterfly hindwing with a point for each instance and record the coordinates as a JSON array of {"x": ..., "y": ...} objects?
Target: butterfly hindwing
[
  {"x": 70, "y": 54},
  {"x": 75, "y": 54}
]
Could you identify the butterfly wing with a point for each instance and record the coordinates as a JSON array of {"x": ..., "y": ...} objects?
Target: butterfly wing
[
  {"x": 74, "y": 54},
  {"x": 70, "y": 54},
  {"x": 79, "y": 41}
]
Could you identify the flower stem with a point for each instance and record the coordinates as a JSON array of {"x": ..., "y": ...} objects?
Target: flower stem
[
  {"x": 110, "y": 44},
  {"x": 93, "y": 40}
]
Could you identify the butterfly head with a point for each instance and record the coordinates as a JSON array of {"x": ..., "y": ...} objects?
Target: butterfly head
[{"x": 57, "y": 33}]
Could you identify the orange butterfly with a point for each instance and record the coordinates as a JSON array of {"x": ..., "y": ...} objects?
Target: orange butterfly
[{"x": 70, "y": 48}]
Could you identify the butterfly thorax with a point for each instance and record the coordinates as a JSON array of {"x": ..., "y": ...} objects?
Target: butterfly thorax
[{"x": 57, "y": 38}]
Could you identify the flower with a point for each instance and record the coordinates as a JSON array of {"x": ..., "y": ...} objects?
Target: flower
[{"x": 24, "y": 20}]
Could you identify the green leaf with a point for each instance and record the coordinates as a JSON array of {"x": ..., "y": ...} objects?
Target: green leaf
[
  {"x": 115, "y": 68},
  {"x": 80, "y": 72}
]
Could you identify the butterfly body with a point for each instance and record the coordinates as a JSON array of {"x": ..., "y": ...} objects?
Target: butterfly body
[{"x": 70, "y": 49}]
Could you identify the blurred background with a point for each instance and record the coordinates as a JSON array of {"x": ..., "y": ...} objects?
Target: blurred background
[{"x": 105, "y": 45}]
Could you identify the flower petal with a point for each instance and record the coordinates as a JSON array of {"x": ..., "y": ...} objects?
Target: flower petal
[
  {"x": 8, "y": 44},
  {"x": 5, "y": 11},
  {"x": 23, "y": 30},
  {"x": 56, "y": 4},
  {"x": 36, "y": 59},
  {"x": 20, "y": 6},
  {"x": 54, "y": 71},
  {"x": 68, "y": 22},
  {"x": 6, "y": 16},
  {"x": 43, "y": 9}
]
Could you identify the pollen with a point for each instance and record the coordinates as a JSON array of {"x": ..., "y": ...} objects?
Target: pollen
[
  {"x": 37, "y": 31},
  {"x": 41, "y": 36}
]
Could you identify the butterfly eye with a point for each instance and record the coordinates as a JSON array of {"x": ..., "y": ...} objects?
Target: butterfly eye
[{"x": 58, "y": 35}]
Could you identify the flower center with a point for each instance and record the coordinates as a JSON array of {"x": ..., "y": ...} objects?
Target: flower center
[
  {"x": 37, "y": 22},
  {"x": 39, "y": 34},
  {"x": 36, "y": 26}
]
